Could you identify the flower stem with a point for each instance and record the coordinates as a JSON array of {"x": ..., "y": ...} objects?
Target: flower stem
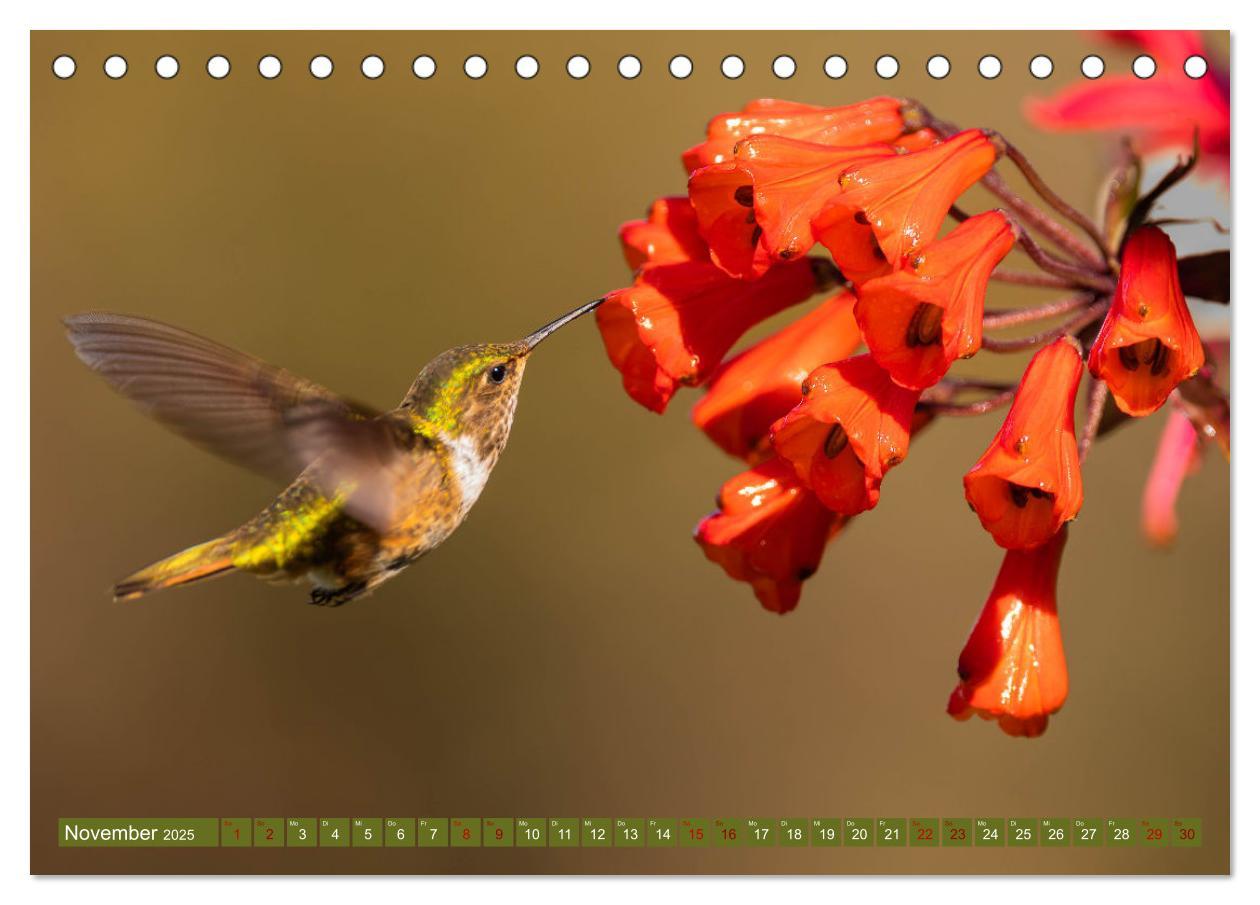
[
  {"x": 1078, "y": 275},
  {"x": 1052, "y": 198},
  {"x": 1021, "y": 278},
  {"x": 964, "y": 409},
  {"x": 1020, "y": 344},
  {"x": 1093, "y": 417},
  {"x": 1000, "y": 320},
  {"x": 918, "y": 116}
]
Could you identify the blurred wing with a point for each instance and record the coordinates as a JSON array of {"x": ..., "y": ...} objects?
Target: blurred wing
[{"x": 245, "y": 410}]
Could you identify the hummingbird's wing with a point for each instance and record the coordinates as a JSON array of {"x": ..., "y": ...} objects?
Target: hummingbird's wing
[{"x": 246, "y": 410}]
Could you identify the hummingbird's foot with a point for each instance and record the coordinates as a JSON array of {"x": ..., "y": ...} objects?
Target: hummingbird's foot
[{"x": 338, "y": 596}]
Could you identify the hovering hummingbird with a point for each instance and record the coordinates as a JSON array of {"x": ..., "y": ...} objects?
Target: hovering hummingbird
[{"x": 374, "y": 492}]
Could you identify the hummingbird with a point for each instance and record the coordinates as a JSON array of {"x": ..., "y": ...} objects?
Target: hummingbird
[{"x": 374, "y": 490}]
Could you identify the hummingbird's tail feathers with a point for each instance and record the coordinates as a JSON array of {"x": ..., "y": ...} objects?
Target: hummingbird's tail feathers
[{"x": 202, "y": 561}]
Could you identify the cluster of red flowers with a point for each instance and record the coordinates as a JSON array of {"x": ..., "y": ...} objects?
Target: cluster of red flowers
[{"x": 820, "y": 425}]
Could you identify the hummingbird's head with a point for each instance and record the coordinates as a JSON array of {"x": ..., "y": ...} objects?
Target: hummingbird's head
[{"x": 471, "y": 390}]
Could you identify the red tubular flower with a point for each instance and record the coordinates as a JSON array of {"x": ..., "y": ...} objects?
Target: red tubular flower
[
  {"x": 1028, "y": 482},
  {"x": 917, "y": 321},
  {"x": 757, "y": 386},
  {"x": 755, "y": 209},
  {"x": 677, "y": 322},
  {"x": 1162, "y": 111},
  {"x": 768, "y": 531},
  {"x": 874, "y": 120},
  {"x": 1148, "y": 344},
  {"x": 889, "y": 207},
  {"x": 851, "y": 427},
  {"x": 667, "y": 235},
  {"x": 1013, "y": 668},
  {"x": 1177, "y": 456}
]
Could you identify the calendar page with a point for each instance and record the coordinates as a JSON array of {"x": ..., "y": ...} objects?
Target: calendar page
[{"x": 865, "y": 508}]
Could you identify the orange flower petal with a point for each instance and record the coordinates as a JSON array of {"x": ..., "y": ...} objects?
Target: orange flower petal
[
  {"x": 875, "y": 120},
  {"x": 753, "y": 389},
  {"x": 768, "y": 531},
  {"x": 918, "y": 321},
  {"x": 1027, "y": 484},
  {"x": 1148, "y": 343},
  {"x": 677, "y": 322},
  {"x": 899, "y": 202},
  {"x": 668, "y": 235},
  {"x": 756, "y": 208},
  {"x": 852, "y": 426},
  {"x": 1013, "y": 668}
]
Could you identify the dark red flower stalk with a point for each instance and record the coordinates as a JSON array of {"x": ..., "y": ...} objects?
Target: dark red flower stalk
[
  {"x": 676, "y": 323},
  {"x": 1148, "y": 344},
  {"x": 754, "y": 210},
  {"x": 893, "y": 206},
  {"x": 851, "y": 427},
  {"x": 875, "y": 120},
  {"x": 755, "y": 388},
  {"x": 1012, "y": 668},
  {"x": 667, "y": 236},
  {"x": 917, "y": 321},
  {"x": 1027, "y": 485},
  {"x": 768, "y": 531}
]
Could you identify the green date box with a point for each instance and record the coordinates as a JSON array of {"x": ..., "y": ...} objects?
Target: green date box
[
  {"x": 300, "y": 832},
  {"x": 465, "y": 832},
  {"x": 367, "y": 832},
  {"x": 1153, "y": 832},
  {"x": 597, "y": 832},
  {"x": 236, "y": 832},
  {"x": 728, "y": 832},
  {"x": 334, "y": 832},
  {"x": 531, "y": 832},
  {"x": 563, "y": 832},
  {"x": 694, "y": 832},
  {"x": 1121, "y": 832},
  {"x": 890, "y": 831},
  {"x": 662, "y": 832},
  {"x": 990, "y": 832},
  {"x": 629, "y": 832},
  {"x": 1021, "y": 832},
  {"x": 1187, "y": 832},
  {"x": 924, "y": 832},
  {"x": 1088, "y": 832},
  {"x": 957, "y": 832},
  {"x": 400, "y": 832},
  {"x": 859, "y": 831},
  {"x": 826, "y": 832},
  {"x": 496, "y": 832},
  {"x": 268, "y": 832}
]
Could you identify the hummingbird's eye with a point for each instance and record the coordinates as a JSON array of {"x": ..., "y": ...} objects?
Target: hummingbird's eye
[{"x": 497, "y": 373}]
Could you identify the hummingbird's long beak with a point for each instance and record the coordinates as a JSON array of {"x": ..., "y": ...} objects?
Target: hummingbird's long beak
[{"x": 543, "y": 332}]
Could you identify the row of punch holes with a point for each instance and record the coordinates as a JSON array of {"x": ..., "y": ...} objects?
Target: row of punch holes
[{"x": 628, "y": 67}]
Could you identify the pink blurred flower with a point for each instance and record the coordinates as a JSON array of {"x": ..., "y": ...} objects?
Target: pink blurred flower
[
  {"x": 1160, "y": 112},
  {"x": 1177, "y": 456}
]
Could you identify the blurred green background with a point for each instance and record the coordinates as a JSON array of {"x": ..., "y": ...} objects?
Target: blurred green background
[{"x": 569, "y": 652}]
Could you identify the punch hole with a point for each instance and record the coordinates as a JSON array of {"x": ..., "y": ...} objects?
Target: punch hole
[
  {"x": 835, "y": 66},
  {"x": 115, "y": 66},
  {"x": 1041, "y": 66},
  {"x": 732, "y": 66},
  {"x": 629, "y": 67},
  {"x": 526, "y": 66},
  {"x": 166, "y": 66},
  {"x": 887, "y": 67},
  {"x": 372, "y": 66},
  {"x": 578, "y": 66},
  {"x": 938, "y": 66},
  {"x": 270, "y": 67},
  {"x": 1195, "y": 67},
  {"x": 680, "y": 67},
  {"x": 784, "y": 66},
  {"x": 990, "y": 66},
  {"x": 64, "y": 66},
  {"x": 218, "y": 67},
  {"x": 1093, "y": 67},
  {"x": 423, "y": 67},
  {"x": 476, "y": 67},
  {"x": 321, "y": 67},
  {"x": 1144, "y": 66}
]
